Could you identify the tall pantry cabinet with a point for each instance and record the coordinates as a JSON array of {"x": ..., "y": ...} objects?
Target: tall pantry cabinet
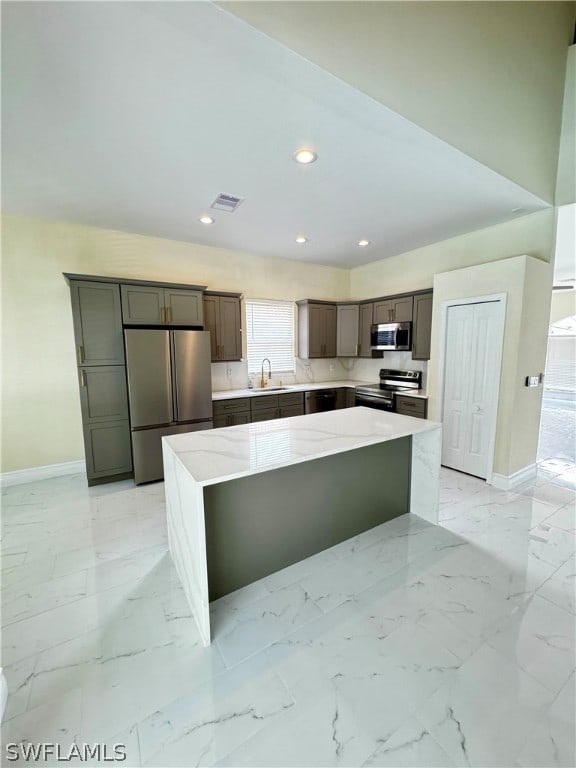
[{"x": 101, "y": 369}]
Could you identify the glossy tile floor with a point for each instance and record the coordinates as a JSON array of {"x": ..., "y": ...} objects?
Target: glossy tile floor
[{"x": 411, "y": 645}]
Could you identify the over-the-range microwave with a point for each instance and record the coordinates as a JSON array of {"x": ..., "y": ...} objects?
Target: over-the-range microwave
[{"x": 391, "y": 336}]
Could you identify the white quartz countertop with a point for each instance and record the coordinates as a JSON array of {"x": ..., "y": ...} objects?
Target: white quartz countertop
[
  {"x": 227, "y": 394},
  {"x": 215, "y": 456},
  {"x": 421, "y": 393}
]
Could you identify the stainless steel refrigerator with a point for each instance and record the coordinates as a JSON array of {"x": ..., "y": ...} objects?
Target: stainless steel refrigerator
[{"x": 169, "y": 390}]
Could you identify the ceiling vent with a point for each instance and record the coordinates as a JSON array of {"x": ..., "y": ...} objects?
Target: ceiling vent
[{"x": 226, "y": 203}]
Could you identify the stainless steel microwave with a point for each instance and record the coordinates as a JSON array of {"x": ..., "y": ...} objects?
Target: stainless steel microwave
[{"x": 391, "y": 336}]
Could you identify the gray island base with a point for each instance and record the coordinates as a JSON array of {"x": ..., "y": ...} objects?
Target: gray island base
[{"x": 243, "y": 502}]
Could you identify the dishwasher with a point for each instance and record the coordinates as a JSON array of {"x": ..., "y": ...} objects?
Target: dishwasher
[{"x": 320, "y": 400}]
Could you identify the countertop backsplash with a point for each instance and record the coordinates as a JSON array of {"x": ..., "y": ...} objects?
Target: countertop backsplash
[{"x": 229, "y": 376}]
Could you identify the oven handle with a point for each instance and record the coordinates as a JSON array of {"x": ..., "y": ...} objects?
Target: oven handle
[{"x": 372, "y": 399}]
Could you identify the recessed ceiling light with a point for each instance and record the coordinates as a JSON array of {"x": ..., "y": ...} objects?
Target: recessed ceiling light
[
  {"x": 206, "y": 219},
  {"x": 301, "y": 239},
  {"x": 305, "y": 156},
  {"x": 362, "y": 243}
]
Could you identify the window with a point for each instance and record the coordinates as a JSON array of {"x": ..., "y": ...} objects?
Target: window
[{"x": 270, "y": 333}]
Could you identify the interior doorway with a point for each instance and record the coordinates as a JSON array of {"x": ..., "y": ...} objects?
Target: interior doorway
[
  {"x": 557, "y": 441},
  {"x": 474, "y": 332}
]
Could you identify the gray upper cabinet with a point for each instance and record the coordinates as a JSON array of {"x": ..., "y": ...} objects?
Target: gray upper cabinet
[
  {"x": 154, "y": 305},
  {"x": 422, "y": 327},
  {"x": 183, "y": 307},
  {"x": 103, "y": 394},
  {"x": 97, "y": 323},
  {"x": 347, "y": 330},
  {"x": 142, "y": 305},
  {"x": 222, "y": 319},
  {"x": 366, "y": 311},
  {"x": 393, "y": 310},
  {"x": 316, "y": 329}
]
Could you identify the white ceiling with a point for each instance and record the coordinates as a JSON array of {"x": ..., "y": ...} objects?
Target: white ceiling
[{"x": 135, "y": 116}]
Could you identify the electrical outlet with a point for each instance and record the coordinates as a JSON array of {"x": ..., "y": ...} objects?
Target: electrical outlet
[
  {"x": 332, "y": 368},
  {"x": 229, "y": 372},
  {"x": 308, "y": 368}
]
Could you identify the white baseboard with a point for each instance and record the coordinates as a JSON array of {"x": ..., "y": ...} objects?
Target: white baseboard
[
  {"x": 508, "y": 482},
  {"x": 34, "y": 474}
]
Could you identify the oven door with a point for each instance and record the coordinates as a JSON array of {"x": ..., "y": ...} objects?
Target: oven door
[{"x": 374, "y": 401}]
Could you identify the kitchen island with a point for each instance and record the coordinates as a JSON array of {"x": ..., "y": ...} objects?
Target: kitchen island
[{"x": 245, "y": 501}]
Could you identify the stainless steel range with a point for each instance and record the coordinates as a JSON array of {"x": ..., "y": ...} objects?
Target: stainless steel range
[{"x": 391, "y": 381}]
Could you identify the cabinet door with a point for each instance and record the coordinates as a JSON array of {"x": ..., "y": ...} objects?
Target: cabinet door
[
  {"x": 231, "y": 419},
  {"x": 264, "y": 402},
  {"x": 291, "y": 410},
  {"x": 103, "y": 394},
  {"x": 211, "y": 312},
  {"x": 350, "y": 397},
  {"x": 330, "y": 323},
  {"x": 402, "y": 309},
  {"x": 183, "y": 307},
  {"x": 366, "y": 311},
  {"x": 230, "y": 329},
  {"x": 265, "y": 414},
  {"x": 422, "y": 328},
  {"x": 316, "y": 330},
  {"x": 383, "y": 312},
  {"x": 142, "y": 305},
  {"x": 108, "y": 450},
  {"x": 347, "y": 330},
  {"x": 97, "y": 323}
]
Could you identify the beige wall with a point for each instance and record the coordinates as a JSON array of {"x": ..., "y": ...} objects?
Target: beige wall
[
  {"x": 40, "y": 404},
  {"x": 566, "y": 181},
  {"x": 527, "y": 284},
  {"x": 487, "y": 77},
  {"x": 563, "y": 305},
  {"x": 415, "y": 270}
]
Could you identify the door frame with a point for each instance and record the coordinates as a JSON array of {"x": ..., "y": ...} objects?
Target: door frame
[{"x": 493, "y": 298}]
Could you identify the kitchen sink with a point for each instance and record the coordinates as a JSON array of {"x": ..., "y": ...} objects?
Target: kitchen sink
[{"x": 267, "y": 389}]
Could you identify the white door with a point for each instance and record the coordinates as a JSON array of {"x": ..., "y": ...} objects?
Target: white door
[{"x": 471, "y": 383}]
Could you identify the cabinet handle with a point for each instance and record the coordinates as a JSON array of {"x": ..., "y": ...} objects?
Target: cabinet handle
[
  {"x": 80, "y": 354},
  {"x": 169, "y": 314},
  {"x": 162, "y": 314},
  {"x": 82, "y": 378}
]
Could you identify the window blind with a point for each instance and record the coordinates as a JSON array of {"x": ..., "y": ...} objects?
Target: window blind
[{"x": 270, "y": 333}]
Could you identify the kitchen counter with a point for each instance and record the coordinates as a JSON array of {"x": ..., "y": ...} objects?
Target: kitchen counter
[
  {"x": 420, "y": 393},
  {"x": 215, "y": 456},
  {"x": 227, "y": 394},
  {"x": 245, "y": 501}
]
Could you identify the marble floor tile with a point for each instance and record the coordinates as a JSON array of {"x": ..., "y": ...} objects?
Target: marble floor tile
[
  {"x": 484, "y": 715},
  {"x": 22, "y": 603},
  {"x": 260, "y": 623},
  {"x": 363, "y": 654},
  {"x": 329, "y": 733},
  {"x": 560, "y": 588},
  {"x": 552, "y": 743},
  {"x": 564, "y": 518},
  {"x": 411, "y": 745},
  {"x": 202, "y": 728},
  {"x": 540, "y": 639}
]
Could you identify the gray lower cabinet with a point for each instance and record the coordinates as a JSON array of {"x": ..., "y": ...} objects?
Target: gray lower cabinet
[
  {"x": 103, "y": 393},
  {"x": 411, "y": 406},
  {"x": 422, "y": 326},
  {"x": 227, "y": 413},
  {"x": 108, "y": 450},
  {"x": 394, "y": 310},
  {"x": 350, "y": 397},
  {"x": 97, "y": 319},
  {"x": 265, "y": 407},
  {"x": 154, "y": 305}
]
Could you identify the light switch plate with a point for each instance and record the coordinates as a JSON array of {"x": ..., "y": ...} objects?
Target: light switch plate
[{"x": 532, "y": 381}]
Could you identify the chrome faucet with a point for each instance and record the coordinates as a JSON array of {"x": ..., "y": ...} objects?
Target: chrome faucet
[{"x": 262, "y": 379}]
